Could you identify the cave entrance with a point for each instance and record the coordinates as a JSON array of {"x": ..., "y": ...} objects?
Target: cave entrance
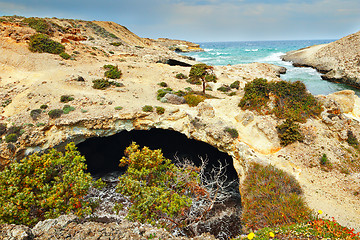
[{"x": 103, "y": 154}]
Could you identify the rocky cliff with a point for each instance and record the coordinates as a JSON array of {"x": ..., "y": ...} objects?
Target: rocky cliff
[
  {"x": 339, "y": 61},
  {"x": 30, "y": 81}
]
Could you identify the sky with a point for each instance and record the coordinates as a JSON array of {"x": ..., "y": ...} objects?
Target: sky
[{"x": 207, "y": 20}]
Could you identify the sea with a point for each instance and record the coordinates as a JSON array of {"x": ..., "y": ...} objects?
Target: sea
[{"x": 224, "y": 53}]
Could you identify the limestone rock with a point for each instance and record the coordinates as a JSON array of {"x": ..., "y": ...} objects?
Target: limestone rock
[
  {"x": 345, "y": 98},
  {"x": 173, "y": 99},
  {"x": 15, "y": 232}
]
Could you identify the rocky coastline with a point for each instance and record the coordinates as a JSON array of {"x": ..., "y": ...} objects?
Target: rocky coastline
[{"x": 337, "y": 61}]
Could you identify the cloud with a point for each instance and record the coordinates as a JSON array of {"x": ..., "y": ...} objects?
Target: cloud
[{"x": 208, "y": 20}]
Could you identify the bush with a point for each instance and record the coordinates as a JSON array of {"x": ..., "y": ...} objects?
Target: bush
[
  {"x": 288, "y": 132},
  {"x": 40, "y": 25},
  {"x": 162, "y": 84},
  {"x": 147, "y": 108},
  {"x": 12, "y": 137},
  {"x": 67, "y": 109},
  {"x": 42, "y": 43},
  {"x": 232, "y": 131},
  {"x": 235, "y": 84},
  {"x": 64, "y": 55},
  {"x": 46, "y": 186},
  {"x": 55, "y": 113},
  {"x": 160, "y": 110},
  {"x": 35, "y": 114},
  {"x": 118, "y": 108},
  {"x": 104, "y": 83},
  {"x": 224, "y": 88},
  {"x": 44, "y": 106},
  {"x": 256, "y": 95},
  {"x": 162, "y": 92},
  {"x": 66, "y": 98},
  {"x": 271, "y": 198},
  {"x": 352, "y": 140},
  {"x": 181, "y": 76},
  {"x": 161, "y": 193},
  {"x": 116, "y": 44},
  {"x": 193, "y": 99},
  {"x": 112, "y": 72},
  {"x": 292, "y": 101},
  {"x": 324, "y": 160}
]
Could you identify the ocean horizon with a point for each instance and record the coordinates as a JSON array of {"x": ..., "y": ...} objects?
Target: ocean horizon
[{"x": 242, "y": 52}]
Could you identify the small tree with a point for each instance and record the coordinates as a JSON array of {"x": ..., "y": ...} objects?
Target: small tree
[{"x": 202, "y": 72}]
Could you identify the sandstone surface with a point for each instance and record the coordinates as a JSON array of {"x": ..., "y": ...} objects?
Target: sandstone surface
[
  {"x": 339, "y": 61},
  {"x": 29, "y": 80}
]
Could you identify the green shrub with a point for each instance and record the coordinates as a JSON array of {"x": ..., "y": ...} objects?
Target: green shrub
[
  {"x": 6, "y": 102},
  {"x": 100, "y": 31},
  {"x": 42, "y": 43},
  {"x": 271, "y": 197},
  {"x": 35, "y": 114},
  {"x": 147, "y": 108},
  {"x": 193, "y": 99},
  {"x": 46, "y": 186},
  {"x": 116, "y": 44},
  {"x": 112, "y": 72},
  {"x": 324, "y": 160},
  {"x": 232, "y": 131},
  {"x": 162, "y": 92},
  {"x": 256, "y": 95},
  {"x": 40, "y": 124},
  {"x": 104, "y": 83},
  {"x": 3, "y": 128},
  {"x": 64, "y": 55},
  {"x": 55, "y": 113},
  {"x": 12, "y": 137},
  {"x": 352, "y": 140},
  {"x": 160, "y": 110},
  {"x": 44, "y": 106},
  {"x": 40, "y": 25},
  {"x": 181, "y": 76},
  {"x": 162, "y": 84},
  {"x": 224, "y": 88},
  {"x": 288, "y": 132},
  {"x": 161, "y": 193},
  {"x": 118, "y": 108},
  {"x": 235, "y": 84},
  {"x": 66, "y": 98},
  {"x": 67, "y": 108},
  {"x": 111, "y": 52},
  {"x": 292, "y": 101}
]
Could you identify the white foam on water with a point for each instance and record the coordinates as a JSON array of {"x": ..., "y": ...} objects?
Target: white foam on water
[
  {"x": 252, "y": 50},
  {"x": 208, "y": 49},
  {"x": 274, "y": 57}
]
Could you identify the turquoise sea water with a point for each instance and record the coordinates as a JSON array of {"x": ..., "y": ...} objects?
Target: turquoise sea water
[{"x": 224, "y": 53}]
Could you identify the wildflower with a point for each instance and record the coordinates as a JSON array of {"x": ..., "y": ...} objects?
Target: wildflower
[
  {"x": 320, "y": 212},
  {"x": 271, "y": 234},
  {"x": 251, "y": 235}
]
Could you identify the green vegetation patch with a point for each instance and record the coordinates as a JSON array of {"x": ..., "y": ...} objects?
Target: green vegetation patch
[
  {"x": 181, "y": 76},
  {"x": 160, "y": 110},
  {"x": 55, "y": 113},
  {"x": 42, "y": 43},
  {"x": 100, "y": 31},
  {"x": 161, "y": 192},
  {"x": 112, "y": 72},
  {"x": 292, "y": 101},
  {"x": 66, "y": 98},
  {"x": 46, "y": 186},
  {"x": 201, "y": 73},
  {"x": 116, "y": 44},
  {"x": 147, "y": 108},
  {"x": 35, "y": 113},
  {"x": 104, "y": 83},
  {"x": 232, "y": 131},
  {"x": 194, "y": 99},
  {"x": 40, "y": 25},
  {"x": 271, "y": 197},
  {"x": 65, "y": 56},
  {"x": 3, "y": 128},
  {"x": 67, "y": 109},
  {"x": 289, "y": 132}
]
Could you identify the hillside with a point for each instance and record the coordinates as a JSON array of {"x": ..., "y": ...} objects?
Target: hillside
[
  {"x": 339, "y": 61},
  {"x": 33, "y": 83}
]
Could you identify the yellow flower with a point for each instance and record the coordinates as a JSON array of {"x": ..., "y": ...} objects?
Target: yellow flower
[
  {"x": 271, "y": 234},
  {"x": 320, "y": 212},
  {"x": 251, "y": 235}
]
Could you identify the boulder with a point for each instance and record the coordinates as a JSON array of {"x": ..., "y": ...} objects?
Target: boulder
[
  {"x": 173, "y": 99},
  {"x": 345, "y": 99}
]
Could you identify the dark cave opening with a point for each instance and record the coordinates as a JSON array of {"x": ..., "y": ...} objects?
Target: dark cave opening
[{"x": 103, "y": 154}]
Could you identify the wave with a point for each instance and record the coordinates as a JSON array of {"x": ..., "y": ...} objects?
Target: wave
[
  {"x": 274, "y": 57},
  {"x": 252, "y": 50},
  {"x": 208, "y": 49}
]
